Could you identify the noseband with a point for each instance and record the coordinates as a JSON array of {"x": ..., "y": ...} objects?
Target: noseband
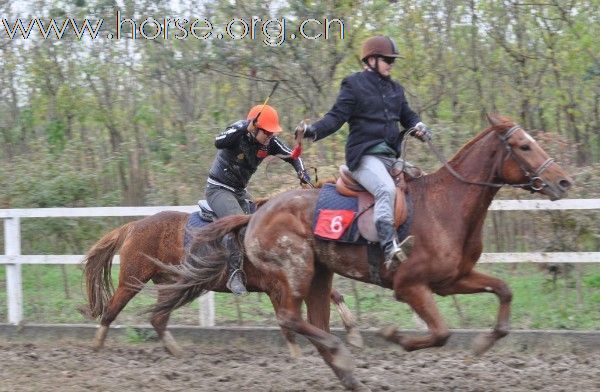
[{"x": 536, "y": 183}]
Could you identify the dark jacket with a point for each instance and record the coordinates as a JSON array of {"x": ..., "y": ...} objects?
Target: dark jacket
[
  {"x": 239, "y": 154},
  {"x": 372, "y": 106}
]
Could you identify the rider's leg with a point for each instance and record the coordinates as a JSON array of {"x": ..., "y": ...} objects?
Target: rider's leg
[
  {"x": 224, "y": 202},
  {"x": 372, "y": 173},
  {"x": 235, "y": 283}
]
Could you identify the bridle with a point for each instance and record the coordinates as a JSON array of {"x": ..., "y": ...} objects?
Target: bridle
[
  {"x": 533, "y": 175},
  {"x": 536, "y": 183}
]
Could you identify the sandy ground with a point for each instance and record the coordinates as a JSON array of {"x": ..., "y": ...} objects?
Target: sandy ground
[{"x": 73, "y": 366}]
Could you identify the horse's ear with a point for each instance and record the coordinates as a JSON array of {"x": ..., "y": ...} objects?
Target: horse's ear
[{"x": 493, "y": 119}]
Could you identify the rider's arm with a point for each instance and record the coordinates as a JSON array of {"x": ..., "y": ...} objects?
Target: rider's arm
[
  {"x": 277, "y": 147},
  {"x": 339, "y": 113},
  {"x": 231, "y": 135},
  {"x": 408, "y": 118}
]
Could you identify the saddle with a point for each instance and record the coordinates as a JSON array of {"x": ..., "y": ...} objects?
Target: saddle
[
  {"x": 206, "y": 213},
  {"x": 346, "y": 185}
]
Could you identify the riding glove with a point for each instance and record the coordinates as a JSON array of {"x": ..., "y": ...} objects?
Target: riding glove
[
  {"x": 309, "y": 132},
  {"x": 304, "y": 177},
  {"x": 422, "y": 132}
]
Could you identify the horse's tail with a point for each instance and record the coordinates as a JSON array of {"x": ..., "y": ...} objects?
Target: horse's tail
[
  {"x": 204, "y": 266},
  {"x": 97, "y": 269}
]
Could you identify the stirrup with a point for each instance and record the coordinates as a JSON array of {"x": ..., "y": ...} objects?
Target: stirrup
[
  {"x": 399, "y": 252},
  {"x": 236, "y": 284}
]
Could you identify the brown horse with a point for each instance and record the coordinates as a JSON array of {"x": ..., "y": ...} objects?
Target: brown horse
[
  {"x": 450, "y": 206},
  {"x": 160, "y": 236}
]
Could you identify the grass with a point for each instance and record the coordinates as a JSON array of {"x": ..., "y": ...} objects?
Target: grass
[{"x": 538, "y": 302}]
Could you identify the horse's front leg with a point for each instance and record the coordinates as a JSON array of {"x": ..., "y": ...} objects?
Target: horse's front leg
[
  {"x": 420, "y": 298},
  {"x": 476, "y": 282}
]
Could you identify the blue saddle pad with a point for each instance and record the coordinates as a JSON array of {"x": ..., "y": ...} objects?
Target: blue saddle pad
[
  {"x": 330, "y": 199},
  {"x": 194, "y": 222}
]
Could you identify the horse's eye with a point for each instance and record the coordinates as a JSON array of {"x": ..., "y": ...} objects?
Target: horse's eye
[{"x": 525, "y": 147}]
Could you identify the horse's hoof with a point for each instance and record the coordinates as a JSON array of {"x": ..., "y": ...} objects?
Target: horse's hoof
[
  {"x": 360, "y": 387},
  {"x": 352, "y": 384},
  {"x": 342, "y": 359},
  {"x": 171, "y": 345},
  {"x": 295, "y": 350},
  {"x": 354, "y": 338},
  {"x": 388, "y": 332},
  {"x": 175, "y": 351},
  {"x": 100, "y": 337},
  {"x": 483, "y": 342}
]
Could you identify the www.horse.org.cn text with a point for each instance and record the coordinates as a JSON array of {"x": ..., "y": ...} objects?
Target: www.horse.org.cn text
[{"x": 270, "y": 31}]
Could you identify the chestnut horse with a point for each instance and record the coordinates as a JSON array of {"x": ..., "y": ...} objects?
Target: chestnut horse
[
  {"x": 160, "y": 236},
  {"x": 450, "y": 206}
]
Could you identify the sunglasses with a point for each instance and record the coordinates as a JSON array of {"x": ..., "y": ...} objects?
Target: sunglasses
[
  {"x": 389, "y": 60},
  {"x": 267, "y": 133}
]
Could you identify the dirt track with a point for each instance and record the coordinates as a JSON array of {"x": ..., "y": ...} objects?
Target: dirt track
[{"x": 72, "y": 366}]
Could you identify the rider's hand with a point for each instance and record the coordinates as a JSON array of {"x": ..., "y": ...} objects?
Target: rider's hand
[
  {"x": 309, "y": 133},
  {"x": 422, "y": 132},
  {"x": 304, "y": 177}
]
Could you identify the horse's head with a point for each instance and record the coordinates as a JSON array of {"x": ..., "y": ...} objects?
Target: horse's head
[{"x": 526, "y": 163}]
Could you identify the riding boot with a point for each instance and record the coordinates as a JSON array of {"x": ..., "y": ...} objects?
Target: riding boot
[
  {"x": 235, "y": 261},
  {"x": 394, "y": 252}
]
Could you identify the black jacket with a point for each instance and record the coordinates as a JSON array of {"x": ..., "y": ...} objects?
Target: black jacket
[
  {"x": 372, "y": 106},
  {"x": 239, "y": 154}
]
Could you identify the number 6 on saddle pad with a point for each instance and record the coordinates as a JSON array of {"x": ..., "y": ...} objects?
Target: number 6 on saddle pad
[{"x": 332, "y": 224}]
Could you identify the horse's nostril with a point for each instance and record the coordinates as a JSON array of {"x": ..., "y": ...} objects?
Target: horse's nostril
[{"x": 564, "y": 184}]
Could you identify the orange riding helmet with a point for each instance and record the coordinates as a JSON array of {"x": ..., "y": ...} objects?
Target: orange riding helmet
[{"x": 267, "y": 120}]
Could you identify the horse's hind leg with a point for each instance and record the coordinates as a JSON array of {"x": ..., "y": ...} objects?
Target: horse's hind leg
[
  {"x": 420, "y": 298},
  {"x": 117, "y": 302},
  {"x": 331, "y": 348},
  {"x": 288, "y": 334},
  {"x": 476, "y": 282},
  {"x": 353, "y": 336},
  {"x": 159, "y": 322}
]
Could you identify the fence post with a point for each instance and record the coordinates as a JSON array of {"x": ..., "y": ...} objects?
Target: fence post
[
  {"x": 12, "y": 247},
  {"x": 207, "y": 309}
]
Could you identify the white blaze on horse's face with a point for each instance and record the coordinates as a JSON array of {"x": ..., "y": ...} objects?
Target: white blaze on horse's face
[
  {"x": 528, "y": 163},
  {"x": 529, "y": 138}
]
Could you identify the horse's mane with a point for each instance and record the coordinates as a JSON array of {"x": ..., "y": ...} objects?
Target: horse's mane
[{"x": 502, "y": 123}]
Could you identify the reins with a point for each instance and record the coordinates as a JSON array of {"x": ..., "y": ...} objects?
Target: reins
[
  {"x": 533, "y": 177},
  {"x": 444, "y": 162}
]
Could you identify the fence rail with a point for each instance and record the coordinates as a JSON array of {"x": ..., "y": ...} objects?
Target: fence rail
[{"x": 13, "y": 259}]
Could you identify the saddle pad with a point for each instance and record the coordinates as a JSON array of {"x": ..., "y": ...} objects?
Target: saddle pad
[
  {"x": 194, "y": 222},
  {"x": 331, "y": 200}
]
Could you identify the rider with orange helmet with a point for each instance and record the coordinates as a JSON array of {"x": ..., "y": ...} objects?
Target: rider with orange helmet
[
  {"x": 373, "y": 105},
  {"x": 241, "y": 148}
]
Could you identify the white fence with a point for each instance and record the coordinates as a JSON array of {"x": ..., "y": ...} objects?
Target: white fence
[{"x": 13, "y": 258}]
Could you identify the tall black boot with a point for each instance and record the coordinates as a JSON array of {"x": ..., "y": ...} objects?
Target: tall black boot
[
  {"x": 394, "y": 252},
  {"x": 235, "y": 262}
]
